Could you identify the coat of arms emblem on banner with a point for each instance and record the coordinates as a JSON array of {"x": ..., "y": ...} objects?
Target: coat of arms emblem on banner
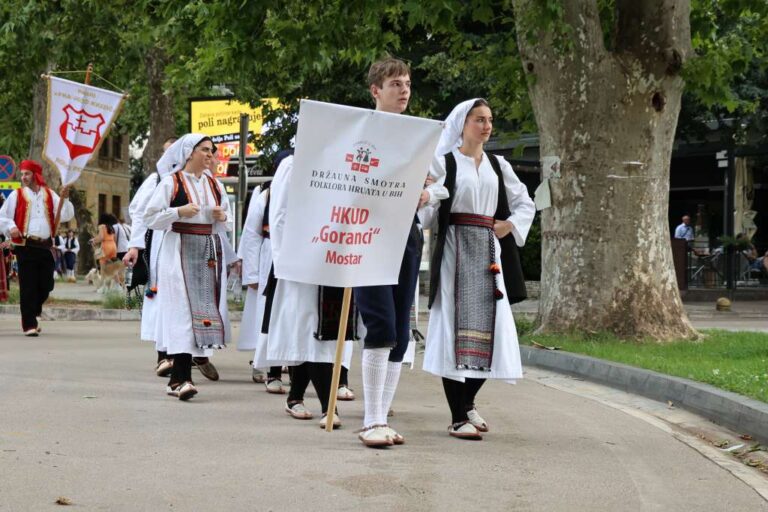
[{"x": 81, "y": 131}]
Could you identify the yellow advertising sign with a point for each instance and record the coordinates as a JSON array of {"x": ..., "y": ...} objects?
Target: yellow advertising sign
[
  {"x": 10, "y": 185},
  {"x": 221, "y": 116}
]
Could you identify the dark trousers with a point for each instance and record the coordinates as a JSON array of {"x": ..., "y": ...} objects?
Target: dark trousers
[
  {"x": 69, "y": 260},
  {"x": 320, "y": 374},
  {"x": 461, "y": 397},
  {"x": 299, "y": 382},
  {"x": 182, "y": 369},
  {"x": 35, "y": 282},
  {"x": 386, "y": 310}
]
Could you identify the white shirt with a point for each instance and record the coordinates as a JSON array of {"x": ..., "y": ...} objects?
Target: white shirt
[
  {"x": 121, "y": 238},
  {"x": 63, "y": 245},
  {"x": 684, "y": 232},
  {"x": 38, "y": 222}
]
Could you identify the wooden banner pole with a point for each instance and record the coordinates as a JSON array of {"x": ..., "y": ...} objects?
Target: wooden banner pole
[{"x": 340, "y": 343}]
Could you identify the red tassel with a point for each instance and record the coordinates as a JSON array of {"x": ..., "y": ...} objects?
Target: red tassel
[
  {"x": 207, "y": 322},
  {"x": 495, "y": 268},
  {"x": 498, "y": 295},
  {"x": 211, "y": 263}
]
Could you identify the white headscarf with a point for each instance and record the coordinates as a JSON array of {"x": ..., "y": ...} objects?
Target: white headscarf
[
  {"x": 450, "y": 139},
  {"x": 176, "y": 156}
]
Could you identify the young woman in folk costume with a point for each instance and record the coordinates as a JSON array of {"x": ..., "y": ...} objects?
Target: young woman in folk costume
[
  {"x": 190, "y": 286},
  {"x": 294, "y": 330},
  {"x": 255, "y": 251},
  {"x": 471, "y": 335}
]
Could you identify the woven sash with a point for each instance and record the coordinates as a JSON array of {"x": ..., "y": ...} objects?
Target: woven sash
[
  {"x": 474, "y": 292},
  {"x": 201, "y": 259}
]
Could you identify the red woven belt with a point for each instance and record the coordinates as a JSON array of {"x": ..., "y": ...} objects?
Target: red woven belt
[
  {"x": 187, "y": 228},
  {"x": 471, "y": 219}
]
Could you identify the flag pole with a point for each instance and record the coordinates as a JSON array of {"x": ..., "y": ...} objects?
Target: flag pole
[
  {"x": 57, "y": 218},
  {"x": 340, "y": 342}
]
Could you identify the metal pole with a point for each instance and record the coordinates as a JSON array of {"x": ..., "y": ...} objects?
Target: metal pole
[
  {"x": 242, "y": 178},
  {"x": 730, "y": 192}
]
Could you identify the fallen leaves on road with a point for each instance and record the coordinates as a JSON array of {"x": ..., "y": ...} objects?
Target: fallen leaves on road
[{"x": 61, "y": 500}]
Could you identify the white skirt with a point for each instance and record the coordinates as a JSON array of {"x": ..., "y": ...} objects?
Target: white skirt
[
  {"x": 173, "y": 328},
  {"x": 292, "y": 326},
  {"x": 440, "y": 355},
  {"x": 149, "y": 306},
  {"x": 255, "y": 301}
]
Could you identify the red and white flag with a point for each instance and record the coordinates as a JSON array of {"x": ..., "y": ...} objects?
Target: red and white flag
[{"x": 79, "y": 119}]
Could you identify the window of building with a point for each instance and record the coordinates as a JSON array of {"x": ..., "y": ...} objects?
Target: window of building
[
  {"x": 116, "y": 206},
  {"x": 117, "y": 147},
  {"x": 102, "y": 204},
  {"x": 104, "y": 149}
]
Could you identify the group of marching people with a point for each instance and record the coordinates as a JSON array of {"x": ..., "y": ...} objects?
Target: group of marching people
[{"x": 471, "y": 199}]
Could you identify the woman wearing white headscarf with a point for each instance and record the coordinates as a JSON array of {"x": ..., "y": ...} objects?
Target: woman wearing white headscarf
[
  {"x": 471, "y": 335},
  {"x": 190, "y": 285}
]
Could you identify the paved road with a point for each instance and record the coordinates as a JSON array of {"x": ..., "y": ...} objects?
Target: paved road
[{"x": 83, "y": 417}]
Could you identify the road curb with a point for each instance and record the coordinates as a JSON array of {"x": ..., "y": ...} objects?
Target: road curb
[
  {"x": 738, "y": 413},
  {"x": 91, "y": 314}
]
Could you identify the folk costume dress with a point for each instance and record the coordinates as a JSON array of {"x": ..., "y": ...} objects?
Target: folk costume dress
[
  {"x": 256, "y": 253},
  {"x": 475, "y": 193},
  {"x": 151, "y": 245},
  {"x": 294, "y": 317},
  {"x": 191, "y": 300}
]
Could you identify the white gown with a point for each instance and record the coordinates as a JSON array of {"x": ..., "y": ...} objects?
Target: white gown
[
  {"x": 476, "y": 191},
  {"x": 256, "y": 252},
  {"x": 173, "y": 327},
  {"x": 136, "y": 212},
  {"x": 294, "y": 309}
]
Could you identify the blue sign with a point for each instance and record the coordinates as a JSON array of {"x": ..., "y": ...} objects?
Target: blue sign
[{"x": 7, "y": 166}]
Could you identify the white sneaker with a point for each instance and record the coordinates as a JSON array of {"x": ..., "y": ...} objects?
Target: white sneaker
[
  {"x": 344, "y": 393},
  {"x": 275, "y": 387},
  {"x": 464, "y": 430},
  {"x": 376, "y": 436},
  {"x": 477, "y": 420},
  {"x": 258, "y": 376},
  {"x": 396, "y": 438},
  {"x": 298, "y": 411},
  {"x": 336, "y": 421},
  {"x": 187, "y": 391},
  {"x": 164, "y": 367}
]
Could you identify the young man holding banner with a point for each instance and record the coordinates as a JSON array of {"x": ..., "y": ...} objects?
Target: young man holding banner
[
  {"x": 27, "y": 217},
  {"x": 385, "y": 310}
]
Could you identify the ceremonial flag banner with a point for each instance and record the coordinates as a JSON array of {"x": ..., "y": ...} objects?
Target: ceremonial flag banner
[
  {"x": 353, "y": 193},
  {"x": 79, "y": 118}
]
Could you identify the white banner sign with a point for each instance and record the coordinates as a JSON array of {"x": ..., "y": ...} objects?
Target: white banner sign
[
  {"x": 353, "y": 194},
  {"x": 79, "y": 118}
]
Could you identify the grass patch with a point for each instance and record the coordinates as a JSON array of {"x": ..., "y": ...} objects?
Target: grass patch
[
  {"x": 734, "y": 361},
  {"x": 113, "y": 299}
]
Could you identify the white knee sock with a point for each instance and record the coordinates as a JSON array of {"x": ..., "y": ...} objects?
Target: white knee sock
[
  {"x": 390, "y": 385},
  {"x": 374, "y": 378}
]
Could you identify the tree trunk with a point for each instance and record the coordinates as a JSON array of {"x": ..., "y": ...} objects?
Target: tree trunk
[
  {"x": 610, "y": 116},
  {"x": 162, "y": 118}
]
